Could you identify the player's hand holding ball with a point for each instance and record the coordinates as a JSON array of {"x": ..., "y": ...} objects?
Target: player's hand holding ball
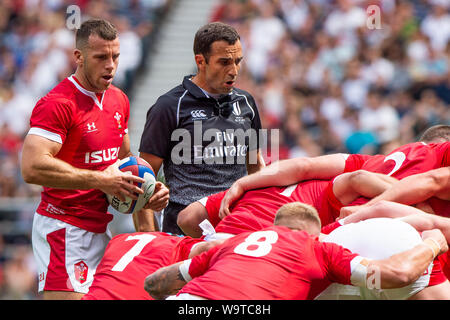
[
  {"x": 136, "y": 186},
  {"x": 159, "y": 199}
]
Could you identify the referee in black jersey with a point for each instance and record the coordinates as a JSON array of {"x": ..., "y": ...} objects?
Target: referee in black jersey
[{"x": 205, "y": 132}]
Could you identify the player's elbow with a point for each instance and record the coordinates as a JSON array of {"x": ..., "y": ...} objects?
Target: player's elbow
[
  {"x": 437, "y": 179},
  {"x": 28, "y": 174},
  {"x": 150, "y": 285},
  {"x": 357, "y": 177},
  {"x": 183, "y": 219}
]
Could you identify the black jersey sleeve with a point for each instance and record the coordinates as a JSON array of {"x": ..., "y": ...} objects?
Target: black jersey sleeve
[
  {"x": 255, "y": 143},
  {"x": 161, "y": 122}
]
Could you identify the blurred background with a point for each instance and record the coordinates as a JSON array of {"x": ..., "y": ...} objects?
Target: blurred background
[{"x": 319, "y": 71}]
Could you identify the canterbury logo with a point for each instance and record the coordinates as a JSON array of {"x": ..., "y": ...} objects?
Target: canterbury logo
[{"x": 198, "y": 114}]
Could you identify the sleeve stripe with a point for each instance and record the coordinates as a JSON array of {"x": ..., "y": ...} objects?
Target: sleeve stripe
[
  {"x": 46, "y": 134},
  {"x": 203, "y": 201},
  {"x": 178, "y": 107},
  {"x": 184, "y": 270}
]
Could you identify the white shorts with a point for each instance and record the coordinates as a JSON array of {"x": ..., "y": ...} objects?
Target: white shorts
[
  {"x": 376, "y": 239},
  {"x": 66, "y": 256},
  {"x": 185, "y": 296}
]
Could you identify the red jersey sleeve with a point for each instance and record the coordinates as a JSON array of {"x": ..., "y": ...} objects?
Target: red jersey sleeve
[
  {"x": 212, "y": 206},
  {"x": 336, "y": 261},
  {"x": 185, "y": 246},
  {"x": 442, "y": 153},
  {"x": 53, "y": 115},
  {"x": 199, "y": 264},
  {"x": 355, "y": 162},
  {"x": 126, "y": 111}
]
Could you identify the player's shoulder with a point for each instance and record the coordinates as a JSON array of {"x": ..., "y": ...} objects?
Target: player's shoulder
[
  {"x": 171, "y": 99},
  {"x": 237, "y": 92},
  {"x": 63, "y": 94},
  {"x": 117, "y": 93}
]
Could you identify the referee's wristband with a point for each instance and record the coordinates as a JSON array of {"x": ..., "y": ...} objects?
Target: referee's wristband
[{"x": 433, "y": 245}]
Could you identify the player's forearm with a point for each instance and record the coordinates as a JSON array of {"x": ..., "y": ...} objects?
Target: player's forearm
[
  {"x": 55, "y": 173},
  {"x": 164, "y": 282},
  {"x": 287, "y": 172},
  {"x": 406, "y": 267},
  {"x": 411, "y": 190}
]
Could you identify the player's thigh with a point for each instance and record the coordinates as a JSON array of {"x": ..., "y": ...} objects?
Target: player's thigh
[
  {"x": 62, "y": 295},
  {"x": 66, "y": 256}
]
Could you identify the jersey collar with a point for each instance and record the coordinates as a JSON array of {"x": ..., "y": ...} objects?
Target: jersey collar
[{"x": 87, "y": 92}]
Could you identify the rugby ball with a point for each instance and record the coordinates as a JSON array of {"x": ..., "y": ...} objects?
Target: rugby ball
[{"x": 141, "y": 168}]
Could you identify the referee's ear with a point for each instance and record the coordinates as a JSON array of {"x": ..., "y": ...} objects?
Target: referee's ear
[{"x": 200, "y": 61}]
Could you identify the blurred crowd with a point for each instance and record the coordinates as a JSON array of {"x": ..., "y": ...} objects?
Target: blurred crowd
[
  {"x": 321, "y": 71},
  {"x": 333, "y": 80},
  {"x": 36, "y": 53}
]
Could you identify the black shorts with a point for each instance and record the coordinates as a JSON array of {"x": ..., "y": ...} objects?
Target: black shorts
[{"x": 170, "y": 218}]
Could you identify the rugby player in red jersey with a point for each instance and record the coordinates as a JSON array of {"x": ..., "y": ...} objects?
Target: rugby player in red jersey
[
  {"x": 78, "y": 131},
  {"x": 130, "y": 257},
  {"x": 431, "y": 153},
  {"x": 286, "y": 261},
  {"x": 256, "y": 209}
]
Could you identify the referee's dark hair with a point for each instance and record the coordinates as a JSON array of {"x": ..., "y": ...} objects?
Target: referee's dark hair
[
  {"x": 212, "y": 32},
  {"x": 436, "y": 134},
  {"x": 104, "y": 29}
]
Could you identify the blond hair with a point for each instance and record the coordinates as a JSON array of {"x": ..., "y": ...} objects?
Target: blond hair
[{"x": 297, "y": 215}]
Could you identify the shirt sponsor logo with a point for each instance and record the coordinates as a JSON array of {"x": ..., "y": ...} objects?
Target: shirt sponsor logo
[
  {"x": 52, "y": 209},
  {"x": 102, "y": 155},
  {"x": 198, "y": 114}
]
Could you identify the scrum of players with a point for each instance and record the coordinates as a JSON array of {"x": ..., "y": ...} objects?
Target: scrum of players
[{"x": 331, "y": 227}]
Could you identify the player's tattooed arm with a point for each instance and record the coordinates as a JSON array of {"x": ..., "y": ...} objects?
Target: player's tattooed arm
[{"x": 164, "y": 282}]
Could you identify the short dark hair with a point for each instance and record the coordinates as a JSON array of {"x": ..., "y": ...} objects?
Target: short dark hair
[
  {"x": 212, "y": 32},
  {"x": 436, "y": 134},
  {"x": 104, "y": 29}
]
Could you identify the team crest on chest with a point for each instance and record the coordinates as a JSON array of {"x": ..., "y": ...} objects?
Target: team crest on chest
[{"x": 118, "y": 118}]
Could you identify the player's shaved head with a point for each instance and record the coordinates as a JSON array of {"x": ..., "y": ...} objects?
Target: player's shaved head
[
  {"x": 436, "y": 134},
  {"x": 102, "y": 28}
]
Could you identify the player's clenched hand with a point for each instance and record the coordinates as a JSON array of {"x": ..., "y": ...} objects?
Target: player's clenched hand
[
  {"x": 116, "y": 183},
  {"x": 159, "y": 199},
  {"x": 233, "y": 194},
  {"x": 346, "y": 211}
]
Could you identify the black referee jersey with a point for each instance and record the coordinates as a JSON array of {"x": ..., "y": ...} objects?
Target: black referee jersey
[{"x": 203, "y": 141}]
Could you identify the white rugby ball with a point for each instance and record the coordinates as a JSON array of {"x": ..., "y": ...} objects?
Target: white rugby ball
[{"x": 141, "y": 168}]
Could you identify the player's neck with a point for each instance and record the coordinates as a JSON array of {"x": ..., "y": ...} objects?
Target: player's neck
[{"x": 81, "y": 79}]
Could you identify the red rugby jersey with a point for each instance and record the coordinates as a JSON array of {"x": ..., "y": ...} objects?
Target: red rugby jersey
[
  {"x": 129, "y": 258},
  {"x": 91, "y": 132},
  {"x": 257, "y": 208},
  {"x": 276, "y": 263}
]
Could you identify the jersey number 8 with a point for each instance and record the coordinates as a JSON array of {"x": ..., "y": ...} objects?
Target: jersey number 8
[{"x": 257, "y": 244}]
